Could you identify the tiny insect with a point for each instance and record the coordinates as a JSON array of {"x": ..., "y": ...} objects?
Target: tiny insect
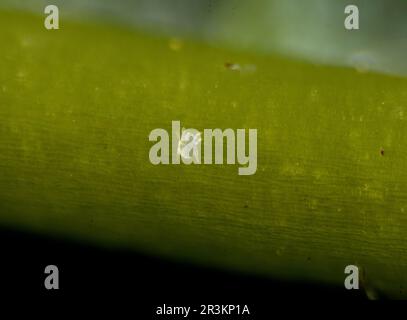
[
  {"x": 382, "y": 152},
  {"x": 185, "y": 138}
]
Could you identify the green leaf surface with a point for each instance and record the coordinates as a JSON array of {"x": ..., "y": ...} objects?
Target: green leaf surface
[{"x": 76, "y": 109}]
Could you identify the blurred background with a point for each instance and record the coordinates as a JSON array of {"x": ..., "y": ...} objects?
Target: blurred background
[{"x": 310, "y": 30}]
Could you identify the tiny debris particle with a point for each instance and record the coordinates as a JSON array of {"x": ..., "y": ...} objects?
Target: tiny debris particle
[
  {"x": 244, "y": 68},
  {"x": 382, "y": 152},
  {"x": 232, "y": 66}
]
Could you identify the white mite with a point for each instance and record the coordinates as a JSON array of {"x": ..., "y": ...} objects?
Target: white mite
[{"x": 186, "y": 140}]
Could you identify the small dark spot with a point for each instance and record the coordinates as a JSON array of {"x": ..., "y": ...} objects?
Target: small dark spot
[
  {"x": 232, "y": 66},
  {"x": 382, "y": 152},
  {"x": 246, "y": 206},
  {"x": 309, "y": 259}
]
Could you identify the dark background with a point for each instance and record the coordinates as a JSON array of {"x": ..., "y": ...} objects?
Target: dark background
[{"x": 137, "y": 281}]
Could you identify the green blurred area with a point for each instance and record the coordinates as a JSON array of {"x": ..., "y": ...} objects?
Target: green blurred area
[{"x": 310, "y": 29}]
